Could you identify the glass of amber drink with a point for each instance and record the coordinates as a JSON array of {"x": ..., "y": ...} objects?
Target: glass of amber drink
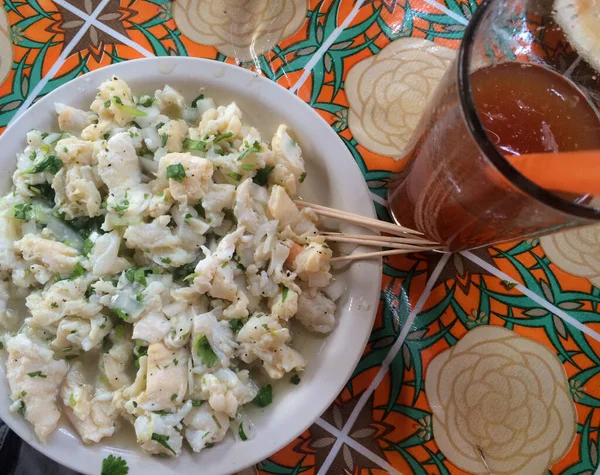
[{"x": 518, "y": 86}]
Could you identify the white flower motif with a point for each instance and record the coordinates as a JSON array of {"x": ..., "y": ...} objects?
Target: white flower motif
[
  {"x": 6, "y": 51},
  {"x": 581, "y": 22},
  {"x": 576, "y": 251},
  {"x": 388, "y": 92},
  {"x": 503, "y": 395},
  {"x": 242, "y": 29}
]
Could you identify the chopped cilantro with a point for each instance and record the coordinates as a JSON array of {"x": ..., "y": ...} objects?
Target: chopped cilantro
[
  {"x": 196, "y": 403},
  {"x": 146, "y": 101},
  {"x": 220, "y": 137},
  {"x": 50, "y": 164},
  {"x": 38, "y": 374},
  {"x": 205, "y": 352},
  {"x": 295, "y": 379},
  {"x": 120, "y": 313},
  {"x": 176, "y": 172},
  {"x": 236, "y": 324},
  {"x": 22, "y": 409},
  {"x": 235, "y": 176},
  {"x": 166, "y": 260},
  {"x": 138, "y": 275},
  {"x": 106, "y": 136},
  {"x": 120, "y": 330},
  {"x": 195, "y": 101},
  {"x": 174, "y": 396},
  {"x": 284, "y": 293},
  {"x": 112, "y": 465},
  {"x": 141, "y": 349},
  {"x": 248, "y": 167},
  {"x": 265, "y": 326},
  {"x": 54, "y": 305},
  {"x": 43, "y": 190},
  {"x": 23, "y": 211},
  {"x": 78, "y": 271},
  {"x": 87, "y": 247},
  {"x": 1, "y": 345},
  {"x": 249, "y": 151},
  {"x": 162, "y": 440},
  {"x": 163, "y": 139},
  {"x": 240, "y": 266},
  {"x": 107, "y": 103},
  {"x": 264, "y": 396},
  {"x": 182, "y": 272},
  {"x": 241, "y": 432},
  {"x": 72, "y": 401},
  {"x": 128, "y": 109},
  {"x": 302, "y": 177},
  {"x": 90, "y": 291},
  {"x": 262, "y": 176},
  {"x": 123, "y": 206},
  {"x": 194, "y": 144},
  {"x": 200, "y": 210}
]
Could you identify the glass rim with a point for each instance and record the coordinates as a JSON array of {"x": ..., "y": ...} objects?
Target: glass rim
[{"x": 487, "y": 147}]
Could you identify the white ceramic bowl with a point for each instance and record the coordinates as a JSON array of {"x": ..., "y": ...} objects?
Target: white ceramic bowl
[{"x": 333, "y": 180}]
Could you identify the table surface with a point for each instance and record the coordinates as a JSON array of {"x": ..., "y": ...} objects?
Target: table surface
[{"x": 463, "y": 365}]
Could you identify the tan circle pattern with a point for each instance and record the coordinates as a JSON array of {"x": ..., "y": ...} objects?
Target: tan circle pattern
[
  {"x": 576, "y": 251},
  {"x": 242, "y": 29},
  {"x": 499, "y": 394},
  {"x": 388, "y": 92},
  {"x": 6, "y": 51},
  {"x": 580, "y": 21}
]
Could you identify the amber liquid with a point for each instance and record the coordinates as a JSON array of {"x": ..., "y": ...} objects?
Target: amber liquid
[
  {"x": 448, "y": 191},
  {"x": 529, "y": 109}
]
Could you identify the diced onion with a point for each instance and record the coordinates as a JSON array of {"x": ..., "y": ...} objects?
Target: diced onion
[
  {"x": 64, "y": 233},
  {"x": 190, "y": 114},
  {"x": 151, "y": 138},
  {"x": 127, "y": 304},
  {"x": 29, "y": 227},
  {"x": 151, "y": 113},
  {"x": 149, "y": 165},
  {"x": 335, "y": 289},
  {"x": 202, "y": 105},
  {"x": 160, "y": 153},
  {"x": 41, "y": 212},
  {"x": 246, "y": 430},
  {"x": 51, "y": 138}
]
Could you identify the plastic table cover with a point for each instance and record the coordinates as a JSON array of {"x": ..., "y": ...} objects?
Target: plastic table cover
[{"x": 491, "y": 355}]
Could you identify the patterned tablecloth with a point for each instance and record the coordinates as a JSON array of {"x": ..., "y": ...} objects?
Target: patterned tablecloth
[{"x": 492, "y": 355}]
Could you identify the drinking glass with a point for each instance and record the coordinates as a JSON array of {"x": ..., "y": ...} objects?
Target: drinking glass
[{"x": 457, "y": 187}]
